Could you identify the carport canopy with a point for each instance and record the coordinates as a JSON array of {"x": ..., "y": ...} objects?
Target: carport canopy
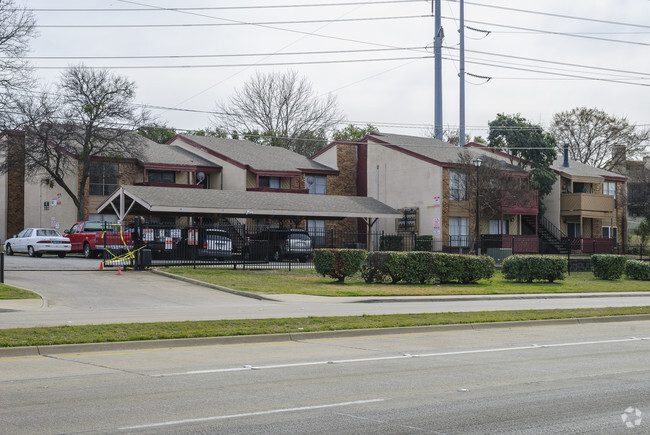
[{"x": 155, "y": 200}]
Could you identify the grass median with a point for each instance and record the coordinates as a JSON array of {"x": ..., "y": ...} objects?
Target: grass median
[
  {"x": 9, "y": 292},
  {"x": 308, "y": 282},
  {"x": 43, "y": 336}
]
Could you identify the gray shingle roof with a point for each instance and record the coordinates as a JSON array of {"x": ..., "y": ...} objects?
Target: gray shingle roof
[
  {"x": 211, "y": 201},
  {"x": 580, "y": 169},
  {"x": 153, "y": 152},
  {"x": 258, "y": 157},
  {"x": 435, "y": 149}
]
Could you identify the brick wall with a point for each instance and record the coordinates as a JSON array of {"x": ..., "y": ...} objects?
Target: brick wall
[
  {"x": 344, "y": 184},
  {"x": 15, "y": 183}
]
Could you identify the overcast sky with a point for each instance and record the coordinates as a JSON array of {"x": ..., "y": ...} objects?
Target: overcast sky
[{"x": 545, "y": 57}]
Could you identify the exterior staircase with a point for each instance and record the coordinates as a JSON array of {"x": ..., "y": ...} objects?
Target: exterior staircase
[{"x": 550, "y": 235}]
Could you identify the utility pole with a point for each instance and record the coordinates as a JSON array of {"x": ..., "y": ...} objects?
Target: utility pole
[
  {"x": 437, "y": 54},
  {"x": 461, "y": 75}
]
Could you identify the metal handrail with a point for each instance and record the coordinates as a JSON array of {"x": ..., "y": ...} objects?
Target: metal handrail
[{"x": 555, "y": 231}]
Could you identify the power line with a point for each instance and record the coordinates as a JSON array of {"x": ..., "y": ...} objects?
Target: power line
[
  {"x": 214, "y": 8},
  {"x": 206, "y": 56},
  {"x": 570, "y": 17},
  {"x": 233, "y": 23},
  {"x": 551, "y": 32},
  {"x": 314, "y": 62}
]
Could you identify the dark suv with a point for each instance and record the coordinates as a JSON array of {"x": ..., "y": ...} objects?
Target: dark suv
[{"x": 280, "y": 244}]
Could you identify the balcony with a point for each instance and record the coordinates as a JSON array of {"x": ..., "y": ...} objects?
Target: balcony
[
  {"x": 519, "y": 202},
  {"x": 276, "y": 190},
  {"x": 588, "y": 205}
]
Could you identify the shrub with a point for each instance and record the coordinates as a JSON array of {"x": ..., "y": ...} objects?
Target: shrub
[
  {"x": 390, "y": 243},
  {"x": 373, "y": 269},
  {"x": 607, "y": 266},
  {"x": 640, "y": 270},
  {"x": 472, "y": 268},
  {"x": 527, "y": 268},
  {"x": 339, "y": 263},
  {"x": 393, "y": 264},
  {"x": 419, "y": 267}
]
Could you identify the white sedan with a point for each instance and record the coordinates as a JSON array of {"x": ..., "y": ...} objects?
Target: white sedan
[{"x": 36, "y": 241}]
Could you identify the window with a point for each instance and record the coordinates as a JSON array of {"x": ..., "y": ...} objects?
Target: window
[
  {"x": 457, "y": 186},
  {"x": 611, "y": 233},
  {"x": 161, "y": 177},
  {"x": 103, "y": 178},
  {"x": 496, "y": 226},
  {"x": 609, "y": 188},
  {"x": 316, "y": 229},
  {"x": 458, "y": 231},
  {"x": 272, "y": 182},
  {"x": 316, "y": 184}
]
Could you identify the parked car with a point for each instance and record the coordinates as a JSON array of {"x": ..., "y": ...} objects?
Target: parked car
[
  {"x": 280, "y": 244},
  {"x": 216, "y": 244},
  {"x": 37, "y": 241}
]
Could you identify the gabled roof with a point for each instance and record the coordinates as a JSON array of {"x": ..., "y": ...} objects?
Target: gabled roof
[
  {"x": 436, "y": 151},
  {"x": 179, "y": 201},
  {"x": 577, "y": 169},
  {"x": 161, "y": 154},
  {"x": 249, "y": 155}
]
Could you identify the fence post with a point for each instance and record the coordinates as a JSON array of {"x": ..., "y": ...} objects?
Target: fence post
[
  {"x": 568, "y": 256},
  {"x": 2, "y": 267}
]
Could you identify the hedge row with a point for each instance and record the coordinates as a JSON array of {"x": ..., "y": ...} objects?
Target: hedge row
[
  {"x": 607, "y": 266},
  {"x": 411, "y": 267},
  {"x": 339, "y": 263},
  {"x": 527, "y": 268},
  {"x": 635, "y": 269}
]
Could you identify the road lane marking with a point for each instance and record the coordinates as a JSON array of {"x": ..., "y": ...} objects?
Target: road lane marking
[
  {"x": 249, "y": 414},
  {"x": 403, "y": 356}
]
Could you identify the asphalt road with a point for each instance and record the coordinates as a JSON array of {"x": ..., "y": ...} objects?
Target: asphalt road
[
  {"x": 534, "y": 380},
  {"x": 75, "y": 292}
]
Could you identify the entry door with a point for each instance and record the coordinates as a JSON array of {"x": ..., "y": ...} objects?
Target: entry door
[{"x": 573, "y": 230}]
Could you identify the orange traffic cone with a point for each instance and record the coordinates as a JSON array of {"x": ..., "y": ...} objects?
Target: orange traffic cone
[
  {"x": 101, "y": 265},
  {"x": 119, "y": 270}
]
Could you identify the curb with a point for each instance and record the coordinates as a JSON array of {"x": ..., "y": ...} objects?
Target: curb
[
  {"x": 71, "y": 349},
  {"x": 213, "y": 286}
]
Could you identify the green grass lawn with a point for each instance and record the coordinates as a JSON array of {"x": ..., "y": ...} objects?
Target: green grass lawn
[
  {"x": 306, "y": 281},
  {"x": 9, "y": 292},
  {"x": 218, "y": 328}
]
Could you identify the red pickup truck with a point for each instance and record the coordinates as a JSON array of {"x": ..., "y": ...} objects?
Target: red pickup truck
[{"x": 93, "y": 237}]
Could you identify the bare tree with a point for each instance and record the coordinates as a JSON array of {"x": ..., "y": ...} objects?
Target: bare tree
[
  {"x": 599, "y": 139},
  {"x": 280, "y": 109},
  {"x": 16, "y": 29},
  {"x": 90, "y": 117}
]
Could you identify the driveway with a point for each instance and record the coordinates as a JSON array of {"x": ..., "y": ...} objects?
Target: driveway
[{"x": 74, "y": 292}]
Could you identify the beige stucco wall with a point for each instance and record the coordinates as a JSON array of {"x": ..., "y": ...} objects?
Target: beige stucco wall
[
  {"x": 552, "y": 203},
  {"x": 405, "y": 181},
  {"x": 60, "y": 216},
  {"x": 328, "y": 158}
]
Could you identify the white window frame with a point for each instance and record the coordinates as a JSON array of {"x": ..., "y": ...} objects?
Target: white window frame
[
  {"x": 459, "y": 231},
  {"x": 609, "y": 188},
  {"x": 317, "y": 184},
  {"x": 499, "y": 224},
  {"x": 612, "y": 233},
  {"x": 457, "y": 186}
]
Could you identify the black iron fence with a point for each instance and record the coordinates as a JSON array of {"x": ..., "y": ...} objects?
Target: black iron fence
[{"x": 235, "y": 245}]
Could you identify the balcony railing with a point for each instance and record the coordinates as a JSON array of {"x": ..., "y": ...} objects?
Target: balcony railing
[
  {"x": 586, "y": 203},
  {"x": 276, "y": 190},
  {"x": 519, "y": 202}
]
